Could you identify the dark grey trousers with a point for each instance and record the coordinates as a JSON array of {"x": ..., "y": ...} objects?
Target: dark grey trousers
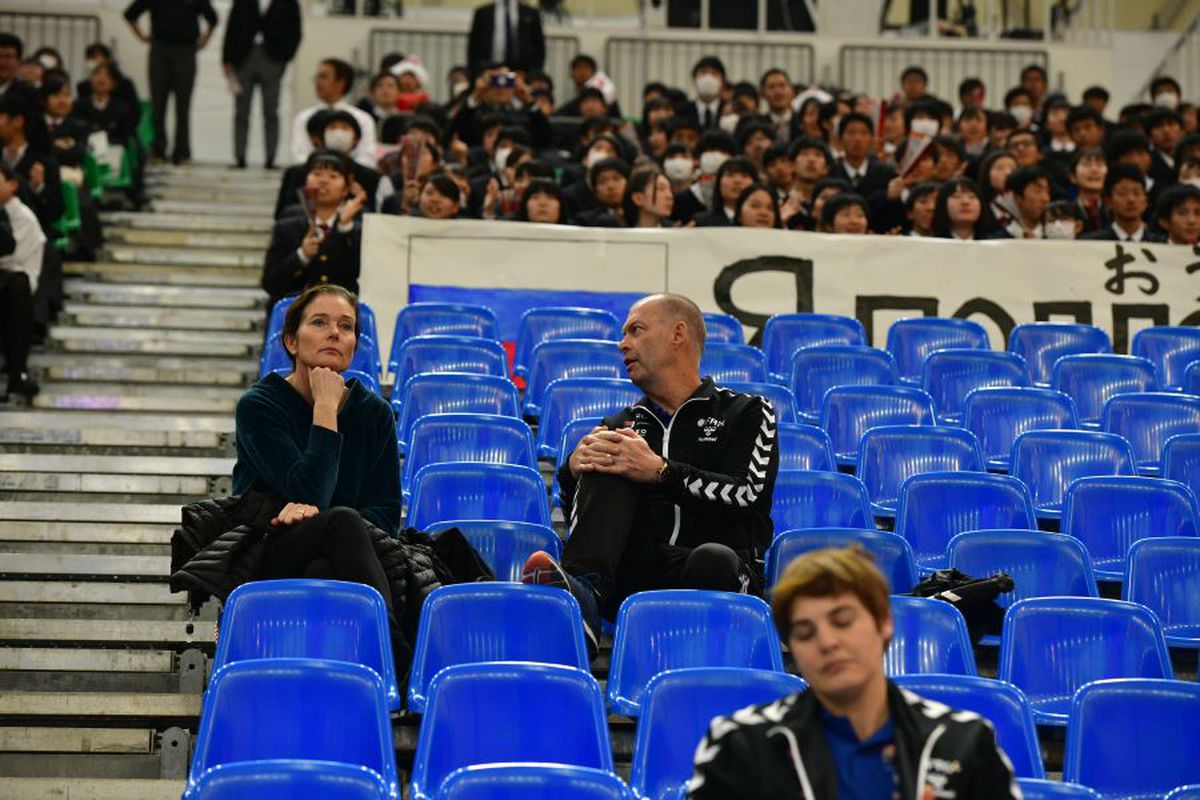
[
  {"x": 267, "y": 73},
  {"x": 172, "y": 71}
]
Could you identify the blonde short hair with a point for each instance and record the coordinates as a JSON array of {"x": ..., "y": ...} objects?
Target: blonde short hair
[{"x": 827, "y": 572}]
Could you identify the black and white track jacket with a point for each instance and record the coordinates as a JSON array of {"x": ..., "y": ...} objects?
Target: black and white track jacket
[
  {"x": 721, "y": 447},
  {"x": 778, "y": 750}
]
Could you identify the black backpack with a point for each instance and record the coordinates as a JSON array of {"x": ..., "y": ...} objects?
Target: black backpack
[{"x": 974, "y": 597}]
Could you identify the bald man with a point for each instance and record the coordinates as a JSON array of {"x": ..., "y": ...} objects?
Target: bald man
[{"x": 673, "y": 492}]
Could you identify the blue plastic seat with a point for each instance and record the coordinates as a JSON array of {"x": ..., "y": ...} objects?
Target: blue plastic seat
[
  {"x": 288, "y": 779},
  {"x": 1109, "y": 514},
  {"x": 468, "y": 623},
  {"x": 937, "y": 506},
  {"x": 1170, "y": 348},
  {"x": 1000, "y": 703},
  {"x": 677, "y": 709},
  {"x": 1148, "y": 420},
  {"x": 569, "y": 399},
  {"x": 503, "y": 545},
  {"x": 487, "y": 438},
  {"x": 532, "y": 782},
  {"x": 930, "y": 637},
  {"x": 302, "y": 618},
  {"x": 1191, "y": 378},
  {"x": 365, "y": 378},
  {"x": 780, "y": 396},
  {"x": 1134, "y": 739},
  {"x": 1090, "y": 380},
  {"x": 1041, "y": 564},
  {"x": 722, "y": 328},
  {"x": 462, "y": 490},
  {"x": 891, "y": 454},
  {"x": 816, "y": 370},
  {"x": 784, "y": 334},
  {"x": 442, "y": 319},
  {"x": 560, "y": 322},
  {"x": 453, "y": 393},
  {"x": 678, "y": 628},
  {"x": 1181, "y": 460},
  {"x": 1163, "y": 574},
  {"x": 733, "y": 362},
  {"x": 950, "y": 375},
  {"x": 1047, "y": 462},
  {"x": 569, "y": 358},
  {"x": 1051, "y": 646},
  {"x": 818, "y": 499},
  {"x": 998, "y": 416},
  {"x": 892, "y": 554},
  {"x": 574, "y": 431},
  {"x": 911, "y": 340},
  {"x": 804, "y": 447},
  {"x": 420, "y": 354},
  {"x": 1189, "y": 792},
  {"x": 1054, "y": 790},
  {"x": 296, "y": 708},
  {"x": 847, "y": 412},
  {"x": 504, "y": 712},
  {"x": 1043, "y": 343}
]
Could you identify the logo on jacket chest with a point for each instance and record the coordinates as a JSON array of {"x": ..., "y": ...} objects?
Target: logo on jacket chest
[{"x": 709, "y": 428}]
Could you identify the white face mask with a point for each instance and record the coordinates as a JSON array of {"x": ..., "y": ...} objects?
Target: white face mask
[
  {"x": 1167, "y": 100},
  {"x": 500, "y": 158},
  {"x": 48, "y": 61},
  {"x": 1060, "y": 229},
  {"x": 925, "y": 127},
  {"x": 458, "y": 88},
  {"x": 679, "y": 168},
  {"x": 594, "y": 157},
  {"x": 339, "y": 139},
  {"x": 91, "y": 64},
  {"x": 711, "y": 161},
  {"x": 728, "y": 122},
  {"x": 707, "y": 86},
  {"x": 1022, "y": 114}
]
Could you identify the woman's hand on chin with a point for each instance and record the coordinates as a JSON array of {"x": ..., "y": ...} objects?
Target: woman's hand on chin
[{"x": 293, "y": 513}]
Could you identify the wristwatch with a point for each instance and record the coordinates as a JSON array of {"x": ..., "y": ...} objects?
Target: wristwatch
[{"x": 663, "y": 470}]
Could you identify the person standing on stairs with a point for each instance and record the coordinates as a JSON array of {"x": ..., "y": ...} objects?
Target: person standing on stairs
[{"x": 22, "y": 244}]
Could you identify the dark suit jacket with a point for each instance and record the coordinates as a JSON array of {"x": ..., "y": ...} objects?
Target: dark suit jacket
[
  {"x": 467, "y": 125},
  {"x": 1107, "y": 234},
  {"x": 686, "y": 206},
  {"x": 125, "y": 91},
  {"x": 68, "y": 141},
  {"x": 877, "y": 178},
  {"x": 293, "y": 179},
  {"x": 116, "y": 119},
  {"x": 280, "y": 28},
  {"x": 47, "y": 203},
  {"x": 689, "y": 111},
  {"x": 531, "y": 41},
  {"x": 337, "y": 261}
]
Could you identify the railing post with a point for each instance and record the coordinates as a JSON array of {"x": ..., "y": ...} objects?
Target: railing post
[{"x": 704, "y": 11}]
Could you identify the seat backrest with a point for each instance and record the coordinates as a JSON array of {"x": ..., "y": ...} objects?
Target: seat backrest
[
  {"x": 950, "y": 375},
  {"x": 998, "y": 416},
  {"x": 819, "y": 499},
  {"x": 784, "y": 334},
  {"x": 367, "y": 379},
  {"x": 780, "y": 396},
  {"x": 911, "y": 340},
  {"x": 892, "y": 554},
  {"x": 1107, "y": 639},
  {"x": 1170, "y": 348},
  {"x": 451, "y": 393},
  {"x": 303, "y": 618},
  {"x": 502, "y": 544},
  {"x": 1109, "y": 514},
  {"x": 804, "y": 447},
  {"x": 532, "y": 782},
  {"x": 443, "y": 319},
  {"x": 1191, "y": 378},
  {"x": 1147, "y": 420},
  {"x": 1181, "y": 460},
  {"x": 889, "y": 455},
  {"x": 847, "y": 412},
  {"x": 274, "y": 357},
  {"x": 722, "y": 328},
  {"x": 1000, "y": 703},
  {"x": 296, "y": 708},
  {"x": 253, "y": 780},
  {"x": 733, "y": 362},
  {"x": 1034, "y": 789},
  {"x": 816, "y": 370},
  {"x": 1090, "y": 380},
  {"x": 937, "y": 506},
  {"x": 469, "y": 623},
  {"x": 678, "y": 708},
  {"x": 420, "y": 354},
  {"x": 1041, "y": 564},
  {"x": 569, "y": 358},
  {"x": 1188, "y": 792},
  {"x": 560, "y": 322},
  {"x": 575, "y": 430},
  {"x": 677, "y": 628},
  {"x": 1163, "y": 574},
  {"x": 497, "y": 713},
  {"x": 569, "y": 399},
  {"x": 461, "y": 490},
  {"x": 1043, "y": 343},
  {"x": 1047, "y": 462},
  {"x": 489, "y": 438},
  {"x": 930, "y": 636},
  {"x": 1155, "y": 719}
]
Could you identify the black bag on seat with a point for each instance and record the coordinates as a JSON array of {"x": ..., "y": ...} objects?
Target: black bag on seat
[{"x": 974, "y": 597}]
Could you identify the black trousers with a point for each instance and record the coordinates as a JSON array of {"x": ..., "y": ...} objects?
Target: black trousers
[
  {"x": 608, "y": 552},
  {"x": 172, "y": 71},
  {"x": 16, "y": 320},
  {"x": 335, "y": 544}
]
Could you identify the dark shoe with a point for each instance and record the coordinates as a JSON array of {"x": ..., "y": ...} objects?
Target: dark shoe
[
  {"x": 271, "y": 166},
  {"x": 239, "y": 164},
  {"x": 542, "y": 570},
  {"x": 20, "y": 383}
]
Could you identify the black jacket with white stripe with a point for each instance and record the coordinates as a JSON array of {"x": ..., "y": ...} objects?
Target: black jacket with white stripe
[
  {"x": 721, "y": 447},
  {"x": 778, "y": 750}
]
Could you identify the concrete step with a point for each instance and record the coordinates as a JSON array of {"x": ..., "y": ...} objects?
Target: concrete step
[
  {"x": 158, "y": 475},
  {"x": 90, "y": 483},
  {"x": 100, "y": 705},
  {"x": 257, "y": 211},
  {"x": 121, "y": 274},
  {"x": 90, "y": 789},
  {"x": 72, "y": 659},
  {"x": 117, "y": 369},
  {"x": 93, "y": 339},
  {"x": 196, "y": 319},
  {"x": 200, "y": 240},
  {"x": 41, "y": 593},
  {"x": 69, "y": 535},
  {"x": 184, "y": 222},
  {"x": 179, "y": 256},
  {"x": 103, "y": 429},
  {"x": 132, "y": 633},
  {"x": 158, "y": 296},
  {"x": 151, "y": 513},
  {"x": 114, "y": 465},
  {"x": 65, "y": 567},
  {"x": 229, "y": 394},
  {"x": 74, "y": 740},
  {"x": 69, "y": 396}
]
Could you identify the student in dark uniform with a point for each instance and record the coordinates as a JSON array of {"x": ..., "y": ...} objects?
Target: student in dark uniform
[
  {"x": 27, "y": 153},
  {"x": 97, "y": 54},
  {"x": 102, "y": 110},
  {"x": 1125, "y": 196}
]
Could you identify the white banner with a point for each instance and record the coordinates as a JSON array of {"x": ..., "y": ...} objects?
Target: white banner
[{"x": 752, "y": 274}]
